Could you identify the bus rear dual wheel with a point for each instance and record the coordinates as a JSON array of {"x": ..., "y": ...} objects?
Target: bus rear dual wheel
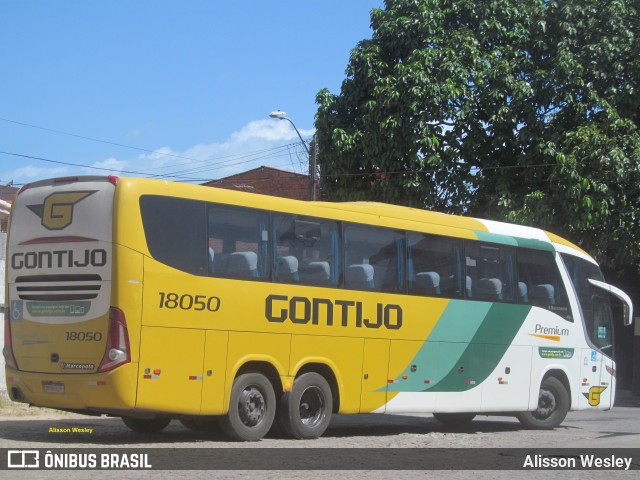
[{"x": 303, "y": 413}]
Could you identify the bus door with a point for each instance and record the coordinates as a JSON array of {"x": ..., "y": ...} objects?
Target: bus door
[{"x": 597, "y": 381}]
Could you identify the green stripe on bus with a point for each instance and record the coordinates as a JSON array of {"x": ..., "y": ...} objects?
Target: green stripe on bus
[
  {"x": 496, "y": 238},
  {"x": 515, "y": 241},
  {"x": 463, "y": 349}
]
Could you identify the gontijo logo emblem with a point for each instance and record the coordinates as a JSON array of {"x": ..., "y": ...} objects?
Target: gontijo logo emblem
[
  {"x": 57, "y": 210},
  {"x": 594, "y": 395}
]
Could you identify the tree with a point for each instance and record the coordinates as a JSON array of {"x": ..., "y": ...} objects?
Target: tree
[{"x": 519, "y": 110}]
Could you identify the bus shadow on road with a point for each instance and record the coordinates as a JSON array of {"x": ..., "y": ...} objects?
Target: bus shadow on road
[{"x": 390, "y": 425}]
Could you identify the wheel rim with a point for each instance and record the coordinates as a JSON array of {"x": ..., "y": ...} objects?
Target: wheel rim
[
  {"x": 547, "y": 404},
  {"x": 312, "y": 410},
  {"x": 251, "y": 406}
]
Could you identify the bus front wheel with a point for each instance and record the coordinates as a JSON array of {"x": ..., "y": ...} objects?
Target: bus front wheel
[
  {"x": 553, "y": 405},
  {"x": 305, "y": 412},
  {"x": 146, "y": 425},
  {"x": 252, "y": 408}
]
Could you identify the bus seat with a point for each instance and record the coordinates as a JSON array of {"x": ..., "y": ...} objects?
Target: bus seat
[
  {"x": 523, "y": 297},
  {"x": 315, "y": 272},
  {"x": 428, "y": 283},
  {"x": 468, "y": 282},
  {"x": 543, "y": 295},
  {"x": 360, "y": 276},
  {"x": 243, "y": 264},
  {"x": 288, "y": 269},
  {"x": 489, "y": 289}
]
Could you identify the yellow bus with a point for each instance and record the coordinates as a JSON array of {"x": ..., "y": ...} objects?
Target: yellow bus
[{"x": 151, "y": 301}]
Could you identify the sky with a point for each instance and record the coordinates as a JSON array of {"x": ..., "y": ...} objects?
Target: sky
[{"x": 175, "y": 88}]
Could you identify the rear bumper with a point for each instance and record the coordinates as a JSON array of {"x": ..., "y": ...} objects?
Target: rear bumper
[{"x": 97, "y": 392}]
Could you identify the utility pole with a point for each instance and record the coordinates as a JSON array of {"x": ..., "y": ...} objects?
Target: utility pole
[{"x": 280, "y": 115}]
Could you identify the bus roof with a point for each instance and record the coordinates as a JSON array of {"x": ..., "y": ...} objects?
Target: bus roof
[{"x": 387, "y": 215}]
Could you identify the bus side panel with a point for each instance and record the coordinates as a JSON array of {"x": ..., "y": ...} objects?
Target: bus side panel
[
  {"x": 375, "y": 375},
  {"x": 170, "y": 376},
  {"x": 215, "y": 367},
  {"x": 343, "y": 355},
  {"x": 417, "y": 364},
  {"x": 507, "y": 388},
  {"x": 460, "y": 390},
  {"x": 244, "y": 347}
]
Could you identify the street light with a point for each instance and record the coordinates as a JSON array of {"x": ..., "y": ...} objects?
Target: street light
[{"x": 280, "y": 115}]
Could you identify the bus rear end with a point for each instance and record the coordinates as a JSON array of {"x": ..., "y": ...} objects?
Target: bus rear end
[{"x": 66, "y": 346}]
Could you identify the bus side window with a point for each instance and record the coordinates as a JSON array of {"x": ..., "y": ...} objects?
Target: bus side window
[
  {"x": 238, "y": 243},
  {"x": 305, "y": 250},
  {"x": 374, "y": 259},
  {"x": 490, "y": 268},
  {"x": 433, "y": 266},
  {"x": 540, "y": 283}
]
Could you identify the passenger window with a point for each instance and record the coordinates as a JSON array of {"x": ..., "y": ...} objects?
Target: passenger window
[
  {"x": 238, "y": 243},
  {"x": 175, "y": 232},
  {"x": 306, "y": 250},
  {"x": 490, "y": 272},
  {"x": 434, "y": 266},
  {"x": 540, "y": 283},
  {"x": 374, "y": 259}
]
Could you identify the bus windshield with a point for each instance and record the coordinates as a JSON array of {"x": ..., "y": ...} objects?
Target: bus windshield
[{"x": 594, "y": 302}]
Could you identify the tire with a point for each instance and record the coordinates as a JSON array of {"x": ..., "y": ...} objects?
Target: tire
[
  {"x": 553, "y": 405},
  {"x": 454, "y": 419},
  {"x": 305, "y": 412},
  {"x": 146, "y": 425},
  {"x": 252, "y": 408},
  {"x": 201, "y": 424}
]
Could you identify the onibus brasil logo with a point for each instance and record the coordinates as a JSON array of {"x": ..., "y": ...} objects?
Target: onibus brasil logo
[{"x": 56, "y": 212}]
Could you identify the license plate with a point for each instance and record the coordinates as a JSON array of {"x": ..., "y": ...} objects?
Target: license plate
[{"x": 53, "y": 387}]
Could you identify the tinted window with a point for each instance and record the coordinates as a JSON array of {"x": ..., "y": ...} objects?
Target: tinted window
[
  {"x": 434, "y": 266},
  {"x": 306, "y": 250},
  {"x": 490, "y": 272},
  {"x": 175, "y": 232},
  {"x": 238, "y": 241},
  {"x": 374, "y": 259},
  {"x": 540, "y": 283},
  {"x": 594, "y": 303}
]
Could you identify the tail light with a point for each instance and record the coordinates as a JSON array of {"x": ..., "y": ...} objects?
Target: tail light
[
  {"x": 7, "y": 351},
  {"x": 117, "y": 351}
]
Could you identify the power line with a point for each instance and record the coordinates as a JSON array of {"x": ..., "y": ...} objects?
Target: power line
[
  {"x": 132, "y": 172},
  {"x": 210, "y": 161}
]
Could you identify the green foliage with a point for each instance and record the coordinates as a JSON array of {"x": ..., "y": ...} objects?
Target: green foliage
[{"x": 518, "y": 110}]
